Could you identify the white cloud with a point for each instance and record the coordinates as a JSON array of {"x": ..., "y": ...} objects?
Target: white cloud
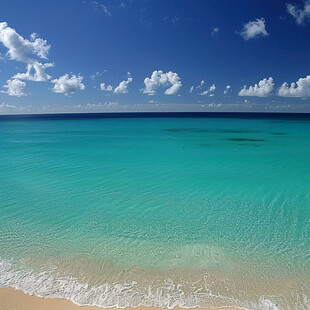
[
  {"x": 105, "y": 9},
  {"x": 106, "y": 88},
  {"x": 98, "y": 5},
  {"x": 19, "y": 48},
  {"x": 158, "y": 79},
  {"x": 227, "y": 89},
  {"x": 201, "y": 84},
  {"x": 40, "y": 46},
  {"x": 211, "y": 89},
  {"x": 300, "y": 15},
  {"x": 95, "y": 75},
  {"x": 14, "y": 87},
  {"x": 13, "y": 109},
  {"x": 23, "y": 50},
  {"x": 191, "y": 90},
  {"x": 89, "y": 107},
  {"x": 35, "y": 72},
  {"x": 122, "y": 87},
  {"x": 94, "y": 106},
  {"x": 254, "y": 29},
  {"x": 111, "y": 104},
  {"x": 214, "y": 31},
  {"x": 299, "y": 89},
  {"x": 68, "y": 85},
  {"x": 263, "y": 89},
  {"x": 4, "y": 107}
]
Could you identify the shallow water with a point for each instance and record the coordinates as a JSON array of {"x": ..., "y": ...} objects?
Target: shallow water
[{"x": 163, "y": 212}]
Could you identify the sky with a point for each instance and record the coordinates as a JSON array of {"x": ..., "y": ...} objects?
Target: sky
[{"x": 154, "y": 55}]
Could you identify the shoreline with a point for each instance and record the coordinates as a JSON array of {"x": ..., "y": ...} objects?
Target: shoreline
[{"x": 12, "y": 299}]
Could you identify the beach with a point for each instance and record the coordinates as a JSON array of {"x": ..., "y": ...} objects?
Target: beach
[{"x": 11, "y": 299}]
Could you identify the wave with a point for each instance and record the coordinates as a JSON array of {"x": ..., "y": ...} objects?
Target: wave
[{"x": 49, "y": 283}]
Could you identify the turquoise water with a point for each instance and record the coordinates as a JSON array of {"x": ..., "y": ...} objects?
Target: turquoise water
[{"x": 162, "y": 212}]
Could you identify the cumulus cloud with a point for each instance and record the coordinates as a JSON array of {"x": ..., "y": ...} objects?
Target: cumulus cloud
[
  {"x": 25, "y": 51},
  {"x": 35, "y": 72},
  {"x": 122, "y": 87},
  {"x": 201, "y": 84},
  {"x": 299, "y": 89},
  {"x": 300, "y": 15},
  {"x": 263, "y": 89},
  {"x": 68, "y": 85},
  {"x": 158, "y": 79},
  {"x": 254, "y": 29},
  {"x": 14, "y": 87},
  {"x": 106, "y": 88},
  {"x": 227, "y": 89},
  {"x": 19, "y": 48},
  {"x": 211, "y": 89},
  {"x": 191, "y": 90}
]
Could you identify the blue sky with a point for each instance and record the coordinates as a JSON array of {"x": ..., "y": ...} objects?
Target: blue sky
[{"x": 154, "y": 55}]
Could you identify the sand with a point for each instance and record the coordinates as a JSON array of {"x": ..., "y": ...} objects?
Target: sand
[{"x": 11, "y": 299}]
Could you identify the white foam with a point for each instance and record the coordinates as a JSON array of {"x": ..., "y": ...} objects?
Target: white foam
[
  {"x": 50, "y": 284},
  {"x": 267, "y": 304}
]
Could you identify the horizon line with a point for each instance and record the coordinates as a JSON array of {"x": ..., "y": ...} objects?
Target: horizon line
[{"x": 195, "y": 114}]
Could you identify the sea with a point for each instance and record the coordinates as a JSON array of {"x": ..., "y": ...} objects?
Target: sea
[{"x": 189, "y": 210}]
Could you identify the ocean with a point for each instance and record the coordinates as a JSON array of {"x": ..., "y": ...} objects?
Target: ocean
[{"x": 190, "y": 212}]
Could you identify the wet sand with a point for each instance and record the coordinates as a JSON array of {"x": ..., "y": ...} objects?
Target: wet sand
[{"x": 11, "y": 299}]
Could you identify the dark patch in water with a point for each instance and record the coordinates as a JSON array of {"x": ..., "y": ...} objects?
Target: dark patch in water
[
  {"x": 202, "y": 130},
  {"x": 245, "y": 139},
  {"x": 279, "y": 133}
]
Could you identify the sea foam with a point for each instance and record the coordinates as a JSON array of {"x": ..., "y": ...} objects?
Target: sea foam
[{"x": 49, "y": 284}]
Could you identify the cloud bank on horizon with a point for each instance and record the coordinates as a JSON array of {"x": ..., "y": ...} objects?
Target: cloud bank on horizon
[{"x": 165, "y": 80}]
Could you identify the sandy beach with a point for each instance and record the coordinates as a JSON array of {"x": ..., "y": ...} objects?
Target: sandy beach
[{"x": 11, "y": 299}]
